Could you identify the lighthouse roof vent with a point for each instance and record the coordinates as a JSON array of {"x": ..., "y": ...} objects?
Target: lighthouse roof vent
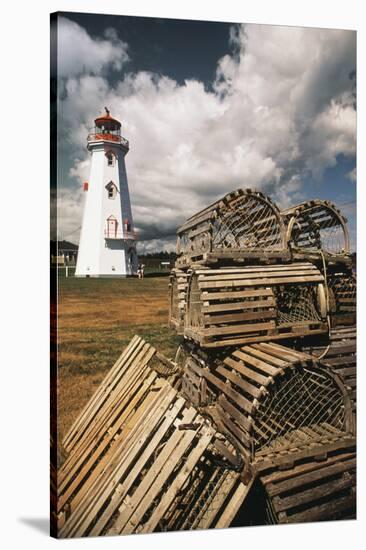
[{"x": 107, "y": 121}]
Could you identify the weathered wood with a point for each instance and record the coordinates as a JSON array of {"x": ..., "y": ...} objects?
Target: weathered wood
[
  {"x": 270, "y": 302},
  {"x": 174, "y": 488},
  {"x": 260, "y": 281},
  {"x": 238, "y": 329},
  {"x": 234, "y": 505},
  {"x": 247, "y": 223},
  {"x": 320, "y": 473},
  {"x": 307, "y": 225},
  {"x": 94, "y": 402},
  {"x": 214, "y": 316},
  {"x": 236, "y": 317},
  {"x": 260, "y": 292},
  {"x": 104, "y": 484}
]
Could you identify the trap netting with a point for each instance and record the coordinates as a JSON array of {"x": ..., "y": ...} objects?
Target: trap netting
[
  {"x": 305, "y": 402},
  {"x": 249, "y": 221},
  {"x": 296, "y": 303},
  {"x": 342, "y": 293},
  {"x": 244, "y": 221},
  {"x": 317, "y": 225}
]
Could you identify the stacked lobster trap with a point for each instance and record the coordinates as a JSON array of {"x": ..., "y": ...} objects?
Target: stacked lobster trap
[
  {"x": 253, "y": 421},
  {"x": 266, "y": 302}
]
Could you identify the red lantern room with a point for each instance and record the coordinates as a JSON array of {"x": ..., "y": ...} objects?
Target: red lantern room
[{"x": 107, "y": 128}]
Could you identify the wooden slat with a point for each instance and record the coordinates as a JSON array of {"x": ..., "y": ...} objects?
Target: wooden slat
[
  {"x": 247, "y": 371},
  {"x": 93, "y": 452},
  {"x": 263, "y": 281},
  {"x": 244, "y": 355},
  {"x": 104, "y": 486},
  {"x": 282, "y": 475},
  {"x": 321, "y": 328},
  {"x": 315, "y": 493},
  {"x": 123, "y": 389},
  {"x": 241, "y": 437},
  {"x": 234, "y": 505},
  {"x": 240, "y": 382},
  {"x": 257, "y": 351},
  {"x": 323, "y": 511},
  {"x": 95, "y": 399},
  {"x": 238, "y": 329},
  {"x": 232, "y": 394},
  {"x": 259, "y": 293},
  {"x": 233, "y": 306},
  {"x": 309, "y": 477},
  {"x": 104, "y": 415},
  {"x": 235, "y": 413},
  {"x": 157, "y": 475},
  {"x": 179, "y": 480},
  {"x": 262, "y": 269},
  {"x": 136, "y": 471},
  {"x": 247, "y": 273},
  {"x": 236, "y": 317}
]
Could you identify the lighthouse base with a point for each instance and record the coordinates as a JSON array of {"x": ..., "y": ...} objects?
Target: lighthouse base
[
  {"x": 114, "y": 261},
  {"x": 105, "y": 276}
]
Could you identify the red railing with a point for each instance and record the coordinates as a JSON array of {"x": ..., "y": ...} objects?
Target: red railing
[
  {"x": 110, "y": 234},
  {"x": 109, "y": 137}
]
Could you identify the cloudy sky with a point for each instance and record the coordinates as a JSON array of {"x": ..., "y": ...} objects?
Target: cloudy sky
[{"x": 207, "y": 108}]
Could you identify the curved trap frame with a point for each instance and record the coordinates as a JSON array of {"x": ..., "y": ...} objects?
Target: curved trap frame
[
  {"x": 278, "y": 404},
  {"x": 241, "y": 224},
  {"x": 316, "y": 226}
]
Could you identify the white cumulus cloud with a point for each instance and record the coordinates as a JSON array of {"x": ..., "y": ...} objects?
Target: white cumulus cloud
[
  {"x": 280, "y": 109},
  {"x": 80, "y": 53}
]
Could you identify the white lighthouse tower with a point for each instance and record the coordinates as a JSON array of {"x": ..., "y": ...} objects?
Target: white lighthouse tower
[{"x": 107, "y": 246}]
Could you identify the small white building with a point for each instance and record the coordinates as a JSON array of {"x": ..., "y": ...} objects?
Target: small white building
[{"x": 107, "y": 246}]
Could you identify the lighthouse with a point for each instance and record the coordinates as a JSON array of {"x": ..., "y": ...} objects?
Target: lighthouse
[{"x": 107, "y": 246}]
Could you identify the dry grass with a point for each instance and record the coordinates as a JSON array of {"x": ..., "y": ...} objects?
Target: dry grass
[{"x": 96, "y": 320}]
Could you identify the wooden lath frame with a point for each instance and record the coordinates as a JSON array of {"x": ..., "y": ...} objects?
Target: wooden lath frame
[
  {"x": 315, "y": 215},
  {"x": 178, "y": 285},
  {"x": 132, "y": 450},
  {"x": 201, "y": 232},
  {"x": 314, "y": 490},
  {"x": 241, "y": 382},
  {"x": 232, "y": 306},
  {"x": 342, "y": 288},
  {"x": 340, "y": 355}
]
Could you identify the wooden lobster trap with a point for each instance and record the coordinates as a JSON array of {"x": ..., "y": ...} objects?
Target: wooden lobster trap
[
  {"x": 317, "y": 227},
  {"x": 244, "y": 224},
  {"x": 314, "y": 490},
  {"x": 231, "y": 306},
  {"x": 276, "y": 405},
  {"x": 139, "y": 454},
  {"x": 342, "y": 297},
  {"x": 339, "y": 354}
]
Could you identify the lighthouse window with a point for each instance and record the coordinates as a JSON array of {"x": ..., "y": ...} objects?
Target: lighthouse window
[
  {"x": 110, "y": 159},
  {"x": 111, "y": 190}
]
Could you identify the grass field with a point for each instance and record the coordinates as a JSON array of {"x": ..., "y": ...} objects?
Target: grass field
[{"x": 96, "y": 320}]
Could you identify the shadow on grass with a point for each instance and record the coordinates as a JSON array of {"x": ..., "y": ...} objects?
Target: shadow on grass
[{"x": 156, "y": 274}]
